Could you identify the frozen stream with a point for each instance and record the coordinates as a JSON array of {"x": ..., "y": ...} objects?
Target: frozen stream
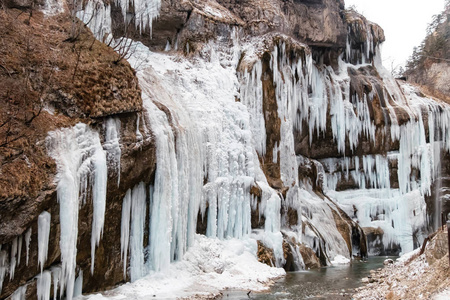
[{"x": 335, "y": 282}]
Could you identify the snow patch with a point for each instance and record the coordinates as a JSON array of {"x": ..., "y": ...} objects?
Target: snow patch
[{"x": 209, "y": 266}]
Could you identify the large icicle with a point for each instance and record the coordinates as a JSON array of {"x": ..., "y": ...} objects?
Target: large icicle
[
  {"x": 79, "y": 156},
  {"x": 125, "y": 230},
  {"x": 27, "y": 243},
  {"x": 43, "y": 235},
  {"x": 138, "y": 215},
  {"x": 100, "y": 178}
]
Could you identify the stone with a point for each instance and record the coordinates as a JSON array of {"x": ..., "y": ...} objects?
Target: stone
[{"x": 437, "y": 248}]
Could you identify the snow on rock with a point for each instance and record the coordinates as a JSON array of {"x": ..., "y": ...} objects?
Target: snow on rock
[
  {"x": 410, "y": 277},
  {"x": 209, "y": 266},
  {"x": 340, "y": 260},
  {"x": 445, "y": 295}
]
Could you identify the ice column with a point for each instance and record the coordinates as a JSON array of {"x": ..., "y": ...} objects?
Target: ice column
[{"x": 138, "y": 214}]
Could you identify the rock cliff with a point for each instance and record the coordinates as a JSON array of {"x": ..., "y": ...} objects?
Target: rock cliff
[{"x": 265, "y": 119}]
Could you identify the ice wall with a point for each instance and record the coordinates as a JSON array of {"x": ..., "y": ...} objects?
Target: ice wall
[
  {"x": 400, "y": 212},
  {"x": 204, "y": 148}
]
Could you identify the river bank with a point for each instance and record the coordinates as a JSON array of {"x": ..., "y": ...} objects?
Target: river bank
[{"x": 412, "y": 276}]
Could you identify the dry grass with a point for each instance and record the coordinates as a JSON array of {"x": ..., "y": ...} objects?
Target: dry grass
[{"x": 39, "y": 69}]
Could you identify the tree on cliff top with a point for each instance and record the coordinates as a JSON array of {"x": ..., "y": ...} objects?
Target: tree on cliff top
[
  {"x": 429, "y": 63},
  {"x": 436, "y": 45}
]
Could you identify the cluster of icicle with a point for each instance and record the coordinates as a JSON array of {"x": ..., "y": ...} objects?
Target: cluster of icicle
[
  {"x": 306, "y": 92},
  {"x": 9, "y": 262},
  {"x": 82, "y": 171},
  {"x": 97, "y": 15}
]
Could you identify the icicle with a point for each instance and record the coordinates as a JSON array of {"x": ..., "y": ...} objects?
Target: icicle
[
  {"x": 99, "y": 201},
  {"x": 138, "y": 214},
  {"x": 138, "y": 133},
  {"x": 145, "y": 12},
  {"x": 27, "y": 243},
  {"x": 78, "y": 288},
  {"x": 97, "y": 15},
  {"x": 3, "y": 266},
  {"x": 20, "y": 293},
  {"x": 112, "y": 144},
  {"x": 125, "y": 230},
  {"x": 56, "y": 274},
  {"x": 43, "y": 235},
  {"x": 252, "y": 97},
  {"x": 19, "y": 248},
  {"x": 13, "y": 261},
  {"x": 168, "y": 47},
  {"x": 44, "y": 282},
  {"x": 273, "y": 237}
]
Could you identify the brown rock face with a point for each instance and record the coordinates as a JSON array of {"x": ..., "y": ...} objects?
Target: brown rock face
[
  {"x": 309, "y": 258},
  {"x": 317, "y": 22},
  {"x": 265, "y": 255}
]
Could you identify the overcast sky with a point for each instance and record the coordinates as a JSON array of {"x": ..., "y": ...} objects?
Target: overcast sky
[{"x": 404, "y": 23}]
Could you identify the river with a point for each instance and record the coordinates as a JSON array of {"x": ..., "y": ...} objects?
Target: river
[{"x": 334, "y": 282}]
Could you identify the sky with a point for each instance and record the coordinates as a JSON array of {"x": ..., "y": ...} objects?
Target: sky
[{"x": 404, "y": 23}]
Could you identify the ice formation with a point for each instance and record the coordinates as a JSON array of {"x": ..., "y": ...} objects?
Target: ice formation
[
  {"x": 112, "y": 144},
  {"x": 44, "y": 282},
  {"x": 97, "y": 15},
  {"x": 27, "y": 243},
  {"x": 137, "y": 227},
  {"x": 125, "y": 230},
  {"x": 80, "y": 160},
  {"x": 20, "y": 293},
  {"x": 209, "y": 266},
  {"x": 207, "y": 148},
  {"x": 43, "y": 235},
  {"x": 3, "y": 266}
]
